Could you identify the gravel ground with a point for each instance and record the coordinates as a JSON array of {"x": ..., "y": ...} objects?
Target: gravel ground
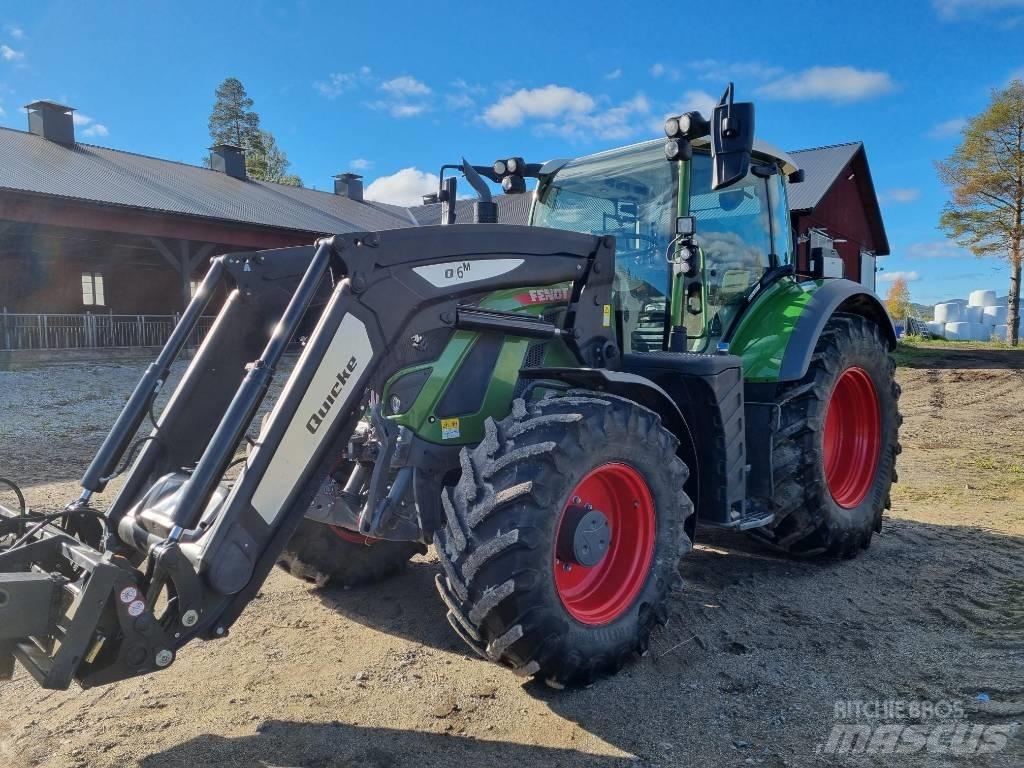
[{"x": 758, "y": 651}]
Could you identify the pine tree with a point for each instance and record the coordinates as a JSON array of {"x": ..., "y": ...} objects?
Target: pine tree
[
  {"x": 985, "y": 175},
  {"x": 234, "y": 121}
]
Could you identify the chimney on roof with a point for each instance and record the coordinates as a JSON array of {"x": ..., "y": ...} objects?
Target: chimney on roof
[
  {"x": 349, "y": 185},
  {"x": 229, "y": 159},
  {"x": 52, "y": 121}
]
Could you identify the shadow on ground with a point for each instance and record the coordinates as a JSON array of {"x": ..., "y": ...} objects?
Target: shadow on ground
[
  {"x": 281, "y": 744},
  {"x": 759, "y": 647}
]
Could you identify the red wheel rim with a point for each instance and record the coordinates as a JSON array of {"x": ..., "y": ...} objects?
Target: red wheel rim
[
  {"x": 352, "y": 536},
  {"x": 852, "y": 437},
  {"x": 600, "y": 594}
]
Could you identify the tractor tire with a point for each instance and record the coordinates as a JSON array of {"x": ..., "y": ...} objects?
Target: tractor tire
[
  {"x": 326, "y": 554},
  {"x": 522, "y": 585},
  {"x": 834, "y": 455}
]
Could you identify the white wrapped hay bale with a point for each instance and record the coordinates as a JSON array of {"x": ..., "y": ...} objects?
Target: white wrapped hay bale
[
  {"x": 982, "y": 299},
  {"x": 995, "y": 315},
  {"x": 937, "y": 328},
  {"x": 947, "y": 313},
  {"x": 1000, "y": 332},
  {"x": 981, "y": 332},
  {"x": 958, "y": 331},
  {"x": 973, "y": 314}
]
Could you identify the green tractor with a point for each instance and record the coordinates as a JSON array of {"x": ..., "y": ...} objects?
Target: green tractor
[{"x": 554, "y": 407}]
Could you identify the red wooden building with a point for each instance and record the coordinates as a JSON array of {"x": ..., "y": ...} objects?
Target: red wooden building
[{"x": 837, "y": 199}]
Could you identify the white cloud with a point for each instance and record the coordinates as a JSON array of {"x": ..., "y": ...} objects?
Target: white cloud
[
  {"x": 615, "y": 74},
  {"x": 2, "y": 111},
  {"x": 405, "y": 86},
  {"x": 339, "y": 82},
  {"x": 692, "y": 101},
  {"x": 406, "y": 110},
  {"x": 14, "y": 31},
  {"x": 459, "y": 100},
  {"x": 837, "y": 84},
  {"x": 889, "y": 277},
  {"x": 951, "y": 9},
  {"x": 9, "y": 54},
  {"x": 89, "y": 125},
  {"x": 361, "y": 164},
  {"x": 700, "y": 101},
  {"x": 404, "y": 96},
  {"x": 657, "y": 70},
  {"x": 615, "y": 123},
  {"x": 406, "y": 187},
  {"x": 900, "y": 195},
  {"x": 947, "y": 128},
  {"x": 463, "y": 95},
  {"x": 937, "y": 249},
  {"x": 548, "y": 102},
  {"x": 725, "y": 71}
]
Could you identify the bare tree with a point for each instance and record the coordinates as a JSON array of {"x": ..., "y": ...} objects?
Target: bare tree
[{"x": 985, "y": 175}]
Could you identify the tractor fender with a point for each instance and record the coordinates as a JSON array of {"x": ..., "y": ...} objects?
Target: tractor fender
[
  {"x": 838, "y": 295},
  {"x": 640, "y": 390}
]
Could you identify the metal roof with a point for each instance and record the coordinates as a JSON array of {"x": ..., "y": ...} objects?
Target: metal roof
[
  {"x": 821, "y": 167},
  {"x": 33, "y": 164}
]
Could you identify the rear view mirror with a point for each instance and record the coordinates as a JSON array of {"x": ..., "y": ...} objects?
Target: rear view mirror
[{"x": 732, "y": 140}]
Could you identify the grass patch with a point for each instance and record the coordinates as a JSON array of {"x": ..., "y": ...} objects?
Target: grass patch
[{"x": 914, "y": 349}]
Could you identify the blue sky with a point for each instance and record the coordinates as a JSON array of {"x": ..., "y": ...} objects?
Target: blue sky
[{"x": 394, "y": 89}]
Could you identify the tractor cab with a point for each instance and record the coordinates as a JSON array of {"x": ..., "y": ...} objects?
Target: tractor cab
[{"x": 688, "y": 255}]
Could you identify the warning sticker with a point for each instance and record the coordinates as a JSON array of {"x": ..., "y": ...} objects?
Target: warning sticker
[
  {"x": 450, "y": 429},
  {"x": 128, "y": 594},
  {"x": 606, "y": 320},
  {"x": 136, "y": 608}
]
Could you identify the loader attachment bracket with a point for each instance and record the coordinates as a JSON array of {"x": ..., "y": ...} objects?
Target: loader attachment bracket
[{"x": 69, "y": 612}]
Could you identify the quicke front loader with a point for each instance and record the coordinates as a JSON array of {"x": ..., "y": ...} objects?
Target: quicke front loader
[{"x": 554, "y": 407}]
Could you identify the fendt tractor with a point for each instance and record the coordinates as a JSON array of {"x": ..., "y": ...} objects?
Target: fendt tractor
[{"x": 554, "y": 407}]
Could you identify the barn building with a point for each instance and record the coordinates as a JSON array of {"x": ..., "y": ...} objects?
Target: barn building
[
  {"x": 86, "y": 228},
  {"x": 836, "y": 207}
]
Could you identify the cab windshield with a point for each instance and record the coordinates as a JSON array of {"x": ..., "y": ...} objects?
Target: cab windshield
[{"x": 629, "y": 193}]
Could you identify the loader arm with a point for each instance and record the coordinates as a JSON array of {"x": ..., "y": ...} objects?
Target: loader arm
[{"x": 184, "y": 550}]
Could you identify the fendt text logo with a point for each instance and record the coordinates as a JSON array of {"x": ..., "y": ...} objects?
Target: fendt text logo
[{"x": 339, "y": 384}]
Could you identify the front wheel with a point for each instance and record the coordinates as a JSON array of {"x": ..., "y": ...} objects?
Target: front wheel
[
  {"x": 834, "y": 455},
  {"x": 563, "y": 536},
  {"x": 328, "y": 554}
]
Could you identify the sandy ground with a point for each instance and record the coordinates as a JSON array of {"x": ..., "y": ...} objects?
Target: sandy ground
[{"x": 758, "y": 651}]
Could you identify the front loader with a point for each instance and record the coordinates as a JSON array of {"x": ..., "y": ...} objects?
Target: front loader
[{"x": 554, "y": 407}]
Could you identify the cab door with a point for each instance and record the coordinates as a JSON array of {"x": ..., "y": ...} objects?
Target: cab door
[{"x": 742, "y": 231}]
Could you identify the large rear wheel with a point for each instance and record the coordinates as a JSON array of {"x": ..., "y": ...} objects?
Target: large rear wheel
[
  {"x": 563, "y": 536},
  {"x": 835, "y": 452}
]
